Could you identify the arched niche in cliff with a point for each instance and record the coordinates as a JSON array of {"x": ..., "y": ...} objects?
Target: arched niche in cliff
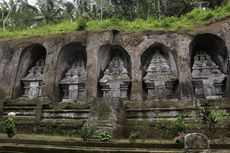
[
  {"x": 209, "y": 61},
  {"x": 29, "y": 78},
  {"x": 114, "y": 72},
  {"x": 71, "y": 73},
  {"x": 159, "y": 72}
]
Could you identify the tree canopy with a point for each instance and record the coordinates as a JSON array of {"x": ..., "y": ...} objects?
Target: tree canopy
[{"x": 19, "y": 14}]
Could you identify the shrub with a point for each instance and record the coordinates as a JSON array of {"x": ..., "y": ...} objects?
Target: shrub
[
  {"x": 177, "y": 126},
  {"x": 143, "y": 129},
  {"x": 9, "y": 127},
  {"x": 212, "y": 118},
  {"x": 105, "y": 135},
  {"x": 82, "y": 23},
  {"x": 115, "y": 21},
  {"x": 87, "y": 132},
  {"x": 133, "y": 136},
  {"x": 1, "y": 126}
]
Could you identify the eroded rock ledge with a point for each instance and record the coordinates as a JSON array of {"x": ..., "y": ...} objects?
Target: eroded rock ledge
[{"x": 133, "y": 66}]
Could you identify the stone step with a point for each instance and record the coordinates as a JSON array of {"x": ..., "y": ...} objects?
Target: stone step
[
  {"x": 104, "y": 125},
  {"x": 104, "y": 128},
  {"x": 104, "y": 121},
  {"x": 59, "y": 149}
]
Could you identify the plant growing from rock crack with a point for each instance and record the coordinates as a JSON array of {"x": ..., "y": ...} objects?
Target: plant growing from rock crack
[
  {"x": 212, "y": 118},
  {"x": 87, "y": 132},
  {"x": 133, "y": 136},
  {"x": 142, "y": 127},
  {"x": 160, "y": 125},
  {"x": 177, "y": 128},
  {"x": 105, "y": 135}
]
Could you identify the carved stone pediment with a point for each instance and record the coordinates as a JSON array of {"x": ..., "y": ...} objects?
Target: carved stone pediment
[
  {"x": 33, "y": 81},
  {"x": 73, "y": 83},
  {"x": 115, "y": 81},
  {"x": 159, "y": 78},
  {"x": 206, "y": 75}
]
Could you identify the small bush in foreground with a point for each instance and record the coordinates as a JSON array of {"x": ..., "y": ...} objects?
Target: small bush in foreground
[
  {"x": 177, "y": 126},
  {"x": 9, "y": 125},
  {"x": 87, "y": 132},
  {"x": 133, "y": 136},
  {"x": 211, "y": 118},
  {"x": 105, "y": 136}
]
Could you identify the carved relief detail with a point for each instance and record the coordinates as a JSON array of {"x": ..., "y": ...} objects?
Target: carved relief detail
[
  {"x": 116, "y": 81},
  {"x": 33, "y": 81},
  {"x": 207, "y": 77},
  {"x": 159, "y": 79},
  {"x": 73, "y": 83}
]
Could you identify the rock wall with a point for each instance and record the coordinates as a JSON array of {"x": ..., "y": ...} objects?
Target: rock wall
[{"x": 180, "y": 46}]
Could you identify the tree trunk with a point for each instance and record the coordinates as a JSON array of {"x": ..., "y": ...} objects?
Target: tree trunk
[
  {"x": 101, "y": 9},
  {"x": 148, "y": 12},
  {"x": 8, "y": 15},
  {"x": 158, "y": 9},
  {"x": 3, "y": 19}
]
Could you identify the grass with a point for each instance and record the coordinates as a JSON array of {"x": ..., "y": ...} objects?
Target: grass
[{"x": 193, "y": 19}]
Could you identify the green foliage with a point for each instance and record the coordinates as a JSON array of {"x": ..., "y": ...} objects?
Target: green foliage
[
  {"x": 142, "y": 128},
  {"x": 1, "y": 126},
  {"x": 161, "y": 125},
  {"x": 82, "y": 23},
  {"x": 87, "y": 132},
  {"x": 133, "y": 136},
  {"x": 115, "y": 21},
  {"x": 177, "y": 125},
  {"x": 9, "y": 127},
  {"x": 212, "y": 118},
  {"x": 105, "y": 136},
  {"x": 195, "y": 18}
]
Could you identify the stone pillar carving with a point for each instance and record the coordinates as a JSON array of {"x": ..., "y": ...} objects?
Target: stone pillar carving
[
  {"x": 73, "y": 83},
  {"x": 207, "y": 77},
  {"x": 116, "y": 81},
  {"x": 33, "y": 81},
  {"x": 159, "y": 79}
]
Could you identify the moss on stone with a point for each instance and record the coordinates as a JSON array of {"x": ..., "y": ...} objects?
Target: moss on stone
[
  {"x": 70, "y": 105},
  {"x": 22, "y": 102},
  {"x": 158, "y": 104},
  {"x": 2, "y": 98},
  {"x": 38, "y": 111},
  {"x": 137, "y": 88}
]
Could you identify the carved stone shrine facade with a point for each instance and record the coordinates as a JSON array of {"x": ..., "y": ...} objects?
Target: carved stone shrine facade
[
  {"x": 159, "y": 80},
  {"x": 115, "y": 81},
  {"x": 131, "y": 66},
  {"x": 33, "y": 81},
  {"x": 207, "y": 77}
]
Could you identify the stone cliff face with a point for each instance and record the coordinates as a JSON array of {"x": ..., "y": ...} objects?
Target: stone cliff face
[{"x": 135, "y": 51}]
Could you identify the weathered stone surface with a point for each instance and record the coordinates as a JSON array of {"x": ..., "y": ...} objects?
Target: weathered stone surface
[
  {"x": 160, "y": 80},
  {"x": 107, "y": 114},
  {"x": 74, "y": 82},
  {"x": 207, "y": 77},
  {"x": 159, "y": 72},
  {"x": 17, "y": 56},
  {"x": 115, "y": 81},
  {"x": 196, "y": 142},
  {"x": 33, "y": 81}
]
